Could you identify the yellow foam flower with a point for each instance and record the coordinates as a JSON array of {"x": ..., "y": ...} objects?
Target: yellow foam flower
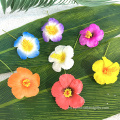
[{"x": 106, "y": 72}]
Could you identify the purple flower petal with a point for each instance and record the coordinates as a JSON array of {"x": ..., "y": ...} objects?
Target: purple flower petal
[
  {"x": 43, "y": 27},
  {"x": 53, "y": 20},
  {"x": 45, "y": 37},
  {"x": 57, "y": 38},
  {"x": 61, "y": 28}
]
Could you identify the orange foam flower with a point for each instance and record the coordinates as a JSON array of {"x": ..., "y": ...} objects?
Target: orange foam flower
[{"x": 24, "y": 83}]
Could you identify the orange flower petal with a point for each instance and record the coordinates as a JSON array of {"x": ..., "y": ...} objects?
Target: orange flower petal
[
  {"x": 18, "y": 92},
  {"x": 24, "y": 71},
  {"x": 35, "y": 79},
  {"x": 14, "y": 80},
  {"x": 31, "y": 91}
]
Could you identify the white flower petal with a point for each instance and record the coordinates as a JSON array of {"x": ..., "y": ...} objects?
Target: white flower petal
[
  {"x": 59, "y": 49},
  {"x": 69, "y": 51},
  {"x": 50, "y": 59},
  {"x": 68, "y": 64},
  {"x": 56, "y": 67}
]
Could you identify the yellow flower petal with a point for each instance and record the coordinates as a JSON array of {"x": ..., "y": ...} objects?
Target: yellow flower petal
[
  {"x": 98, "y": 66},
  {"x": 107, "y": 62}
]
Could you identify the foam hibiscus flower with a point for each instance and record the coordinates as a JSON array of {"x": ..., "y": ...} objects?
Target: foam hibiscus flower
[
  {"x": 66, "y": 92},
  {"x": 106, "y": 72},
  {"x": 24, "y": 83},
  {"x": 91, "y": 36},
  {"x": 62, "y": 58},
  {"x": 52, "y": 30},
  {"x": 27, "y": 46}
]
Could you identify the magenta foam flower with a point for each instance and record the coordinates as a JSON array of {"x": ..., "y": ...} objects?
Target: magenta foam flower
[
  {"x": 52, "y": 30},
  {"x": 91, "y": 35}
]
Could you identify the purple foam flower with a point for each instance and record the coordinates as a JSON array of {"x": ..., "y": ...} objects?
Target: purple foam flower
[
  {"x": 91, "y": 36},
  {"x": 52, "y": 30}
]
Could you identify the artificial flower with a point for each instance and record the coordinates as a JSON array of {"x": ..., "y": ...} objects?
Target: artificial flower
[
  {"x": 91, "y": 36},
  {"x": 24, "y": 83},
  {"x": 27, "y": 46},
  {"x": 62, "y": 58},
  {"x": 66, "y": 92},
  {"x": 106, "y": 72},
  {"x": 52, "y": 30}
]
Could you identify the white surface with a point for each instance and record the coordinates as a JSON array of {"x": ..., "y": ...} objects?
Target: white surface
[{"x": 11, "y": 21}]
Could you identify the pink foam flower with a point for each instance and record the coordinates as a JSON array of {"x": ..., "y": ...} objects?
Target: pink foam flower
[
  {"x": 91, "y": 35},
  {"x": 66, "y": 92}
]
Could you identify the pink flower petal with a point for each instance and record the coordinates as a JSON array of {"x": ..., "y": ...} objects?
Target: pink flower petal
[
  {"x": 94, "y": 26},
  {"x": 76, "y": 101},
  {"x": 82, "y": 40},
  {"x": 62, "y": 102},
  {"x": 66, "y": 79},
  {"x": 57, "y": 89},
  {"x": 77, "y": 86},
  {"x": 92, "y": 42},
  {"x": 99, "y": 35}
]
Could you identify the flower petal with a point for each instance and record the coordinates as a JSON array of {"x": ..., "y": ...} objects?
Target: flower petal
[
  {"x": 56, "y": 38},
  {"x": 76, "y": 101},
  {"x": 82, "y": 40},
  {"x": 56, "y": 67},
  {"x": 56, "y": 89},
  {"x": 92, "y": 42},
  {"x": 69, "y": 51},
  {"x": 37, "y": 43},
  {"x": 106, "y": 62},
  {"x": 15, "y": 80},
  {"x": 94, "y": 26},
  {"x": 66, "y": 79},
  {"x": 98, "y": 66},
  {"x": 43, "y": 27},
  {"x": 99, "y": 35},
  {"x": 22, "y": 54},
  {"x": 62, "y": 102},
  {"x": 24, "y": 72},
  {"x": 17, "y": 92},
  {"x": 35, "y": 53},
  {"x": 67, "y": 64},
  {"x": 59, "y": 49},
  {"x": 16, "y": 43},
  {"x": 45, "y": 37},
  {"x": 77, "y": 86},
  {"x": 53, "y": 20},
  {"x": 61, "y": 28},
  {"x": 27, "y": 34},
  {"x": 35, "y": 79}
]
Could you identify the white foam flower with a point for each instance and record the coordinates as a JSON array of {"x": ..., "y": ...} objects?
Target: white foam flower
[{"x": 62, "y": 58}]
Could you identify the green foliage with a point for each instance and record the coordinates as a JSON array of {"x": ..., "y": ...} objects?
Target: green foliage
[{"x": 104, "y": 98}]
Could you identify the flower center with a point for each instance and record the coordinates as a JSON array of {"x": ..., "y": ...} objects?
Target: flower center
[
  {"x": 108, "y": 71},
  {"x": 88, "y": 34},
  {"x": 68, "y": 92},
  {"x": 61, "y": 57},
  {"x": 52, "y": 30},
  {"x": 27, "y": 45},
  {"x": 26, "y": 82}
]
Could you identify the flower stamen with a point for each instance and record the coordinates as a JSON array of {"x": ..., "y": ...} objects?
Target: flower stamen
[
  {"x": 27, "y": 45},
  {"x": 52, "y": 30},
  {"x": 88, "y": 34},
  {"x": 26, "y": 82},
  {"x": 68, "y": 92}
]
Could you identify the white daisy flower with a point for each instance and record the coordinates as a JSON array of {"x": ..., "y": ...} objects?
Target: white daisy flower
[{"x": 62, "y": 58}]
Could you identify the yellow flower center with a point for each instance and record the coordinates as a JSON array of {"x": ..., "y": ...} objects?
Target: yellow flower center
[
  {"x": 26, "y": 82},
  {"x": 27, "y": 45},
  {"x": 52, "y": 30},
  {"x": 61, "y": 57},
  {"x": 108, "y": 71},
  {"x": 88, "y": 34},
  {"x": 67, "y": 92}
]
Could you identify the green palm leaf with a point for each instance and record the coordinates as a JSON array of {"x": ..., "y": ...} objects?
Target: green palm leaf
[{"x": 104, "y": 98}]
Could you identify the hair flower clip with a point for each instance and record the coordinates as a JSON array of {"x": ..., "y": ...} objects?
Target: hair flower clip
[
  {"x": 24, "y": 83},
  {"x": 106, "y": 72},
  {"x": 27, "y": 46},
  {"x": 62, "y": 58},
  {"x": 66, "y": 92},
  {"x": 91, "y": 36},
  {"x": 52, "y": 30}
]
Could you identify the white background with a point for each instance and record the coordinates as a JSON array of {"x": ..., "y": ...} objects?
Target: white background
[{"x": 11, "y": 21}]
